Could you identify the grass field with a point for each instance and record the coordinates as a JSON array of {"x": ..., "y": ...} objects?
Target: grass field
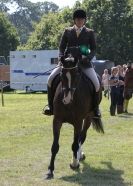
[{"x": 26, "y": 138}]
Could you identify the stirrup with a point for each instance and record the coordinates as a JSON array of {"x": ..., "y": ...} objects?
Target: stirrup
[{"x": 47, "y": 111}]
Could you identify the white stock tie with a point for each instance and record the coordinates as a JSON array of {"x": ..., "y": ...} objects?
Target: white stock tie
[{"x": 78, "y": 32}]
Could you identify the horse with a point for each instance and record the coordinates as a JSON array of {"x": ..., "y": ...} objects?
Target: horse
[{"x": 73, "y": 103}]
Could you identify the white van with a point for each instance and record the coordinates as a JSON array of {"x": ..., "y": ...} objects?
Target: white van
[{"x": 29, "y": 70}]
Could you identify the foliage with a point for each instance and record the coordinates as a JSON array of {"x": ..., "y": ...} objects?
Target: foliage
[
  {"x": 48, "y": 32},
  {"x": 9, "y": 39},
  {"x": 3, "y": 7},
  {"x": 26, "y": 138},
  {"x": 43, "y": 24},
  {"x": 131, "y": 2},
  {"x": 25, "y": 14},
  {"x": 113, "y": 22}
]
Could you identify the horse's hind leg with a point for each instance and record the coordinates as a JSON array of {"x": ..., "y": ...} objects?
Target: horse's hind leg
[
  {"x": 75, "y": 146},
  {"x": 86, "y": 125},
  {"x": 55, "y": 146}
]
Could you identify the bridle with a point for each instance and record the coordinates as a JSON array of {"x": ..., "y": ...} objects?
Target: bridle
[
  {"x": 69, "y": 68},
  {"x": 70, "y": 89},
  {"x": 70, "y": 63}
]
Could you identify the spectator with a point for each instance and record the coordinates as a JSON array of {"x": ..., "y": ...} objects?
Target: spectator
[
  {"x": 121, "y": 90},
  {"x": 105, "y": 82},
  {"x": 124, "y": 69},
  {"x": 114, "y": 90}
]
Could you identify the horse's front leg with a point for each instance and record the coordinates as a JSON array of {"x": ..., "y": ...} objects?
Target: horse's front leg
[
  {"x": 55, "y": 146},
  {"x": 75, "y": 146}
]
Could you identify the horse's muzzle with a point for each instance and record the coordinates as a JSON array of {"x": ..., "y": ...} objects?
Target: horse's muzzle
[{"x": 65, "y": 102}]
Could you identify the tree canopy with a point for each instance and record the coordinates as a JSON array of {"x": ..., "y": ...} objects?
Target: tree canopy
[
  {"x": 9, "y": 39},
  {"x": 42, "y": 24},
  {"x": 25, "y": 14},
  {"x": 113, "y": 23},
  {"x": 49, "y": 30}
]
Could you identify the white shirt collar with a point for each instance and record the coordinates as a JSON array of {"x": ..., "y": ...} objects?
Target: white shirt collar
[{"x": 77, "y": 28}]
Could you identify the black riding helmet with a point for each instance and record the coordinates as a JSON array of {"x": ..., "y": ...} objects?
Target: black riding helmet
[{"x": 79, "y": 13}]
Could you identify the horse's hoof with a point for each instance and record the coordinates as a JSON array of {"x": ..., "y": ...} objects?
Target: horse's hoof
[
  {"x": 82, "y": 158},
  {"x": 49, "y": 176},
  {"x": 73, "y": 167}
]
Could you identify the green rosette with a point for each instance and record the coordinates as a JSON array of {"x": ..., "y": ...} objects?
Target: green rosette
[{"x": 84, "y": 50}]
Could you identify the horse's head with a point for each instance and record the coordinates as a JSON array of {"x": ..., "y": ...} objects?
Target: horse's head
[{"x": 69, "y": 78}]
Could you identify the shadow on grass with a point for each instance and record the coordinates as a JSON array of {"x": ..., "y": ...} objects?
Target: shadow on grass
[
  {"x": 33, "y": 92},
  {"x": 24, "y": 92},
  {"x": 126, "y": 115},
  {"x": 91, "y": 176}
]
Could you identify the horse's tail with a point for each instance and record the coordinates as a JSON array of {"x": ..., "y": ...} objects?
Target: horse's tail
[{"x": 98, "y": 125}]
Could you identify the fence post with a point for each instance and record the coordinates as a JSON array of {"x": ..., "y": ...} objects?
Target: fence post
[{"x": 2, "y": 96}]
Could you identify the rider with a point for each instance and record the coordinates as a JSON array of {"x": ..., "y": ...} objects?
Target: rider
[{"x": 77, "y": 35}]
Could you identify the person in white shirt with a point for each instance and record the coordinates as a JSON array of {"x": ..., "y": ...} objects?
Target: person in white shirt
[{"x": 105, "y": 82}]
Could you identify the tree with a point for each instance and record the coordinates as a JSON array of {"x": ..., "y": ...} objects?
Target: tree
[
  {"x": 9, "y": 39},
  {"x": 113, "y": 22},
  {"x": 25, "y": 14},
  {"x": 48, "y": 31},
  {"x": 3, "y": 6}
]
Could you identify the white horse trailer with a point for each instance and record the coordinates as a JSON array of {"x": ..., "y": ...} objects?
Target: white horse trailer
[{"x": 27, "y": 69}]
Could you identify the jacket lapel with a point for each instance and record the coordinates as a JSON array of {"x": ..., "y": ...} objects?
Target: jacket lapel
[
  {"x": 82, "y": 31},
  {"x": 73, "y": 31}
]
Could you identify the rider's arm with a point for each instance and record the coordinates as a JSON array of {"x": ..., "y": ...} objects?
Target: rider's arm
[
  {"x": 63, "y": 43},
  {"x": 92, "y": 43}
]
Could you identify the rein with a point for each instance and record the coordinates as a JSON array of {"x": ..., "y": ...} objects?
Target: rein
[
  {"x": 70, "y": 68},
  {"x": 46, "y": 71}
]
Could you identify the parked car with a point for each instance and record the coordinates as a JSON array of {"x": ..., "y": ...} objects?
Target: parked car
[{"x": 100, "y": 65}]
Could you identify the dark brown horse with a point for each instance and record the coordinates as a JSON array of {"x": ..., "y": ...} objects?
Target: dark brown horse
[{"x": 73, "y": 103}]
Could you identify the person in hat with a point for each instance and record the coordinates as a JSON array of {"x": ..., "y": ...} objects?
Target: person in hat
[{"x": 77, "y": 35}]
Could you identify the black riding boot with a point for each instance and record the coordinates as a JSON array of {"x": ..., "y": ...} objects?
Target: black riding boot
[
  {"x": 49, "y": 108},
  {"x": 97, "y": 112}
]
